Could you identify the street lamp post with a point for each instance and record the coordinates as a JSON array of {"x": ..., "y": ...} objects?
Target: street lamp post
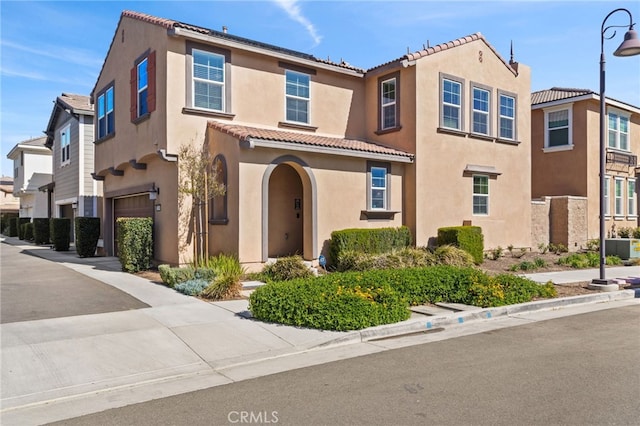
[{"x": 629, "y": 47}]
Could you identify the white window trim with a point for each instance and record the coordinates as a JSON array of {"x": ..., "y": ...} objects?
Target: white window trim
[
  {"x": 66, "y": 130},
  {"x": 632, "y": 201},
  {"x": 607, "y": 196},
  {"x": 145, "y": 61},
  {"x": 624, "y": 114},
  {"x": 459, "y": 106},
  {"x": 618, "y": 214},
  {"x": 286, "y": 96},
  {"x": 223, "y": 83},
  {"x": 473, "y": 194},
  {"x": 385, "y": 189},
  {"x": 486, "y": 113},
  {"x": 383, "y": 104},
  {"x": 513, "y": 119},
  {"x": 569, "y": 146}
]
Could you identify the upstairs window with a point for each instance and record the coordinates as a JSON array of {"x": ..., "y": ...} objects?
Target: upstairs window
[
  {"x": 143, "y": 86},
  {"x": 558, "y": 128},
  {"x": 480, "y": 195},
  {"x": 480, "y": 111},
  {"x": 507, "y": 123},
  {"x": 208, "y": 80},
  {"x": 65, "y": 143},
  {"x": 618, "y": 131},
  {"x": 297, "y": 97},
  {"x": 451, "y": 115},
  {"x": 388, "y": 99},
  {"x": 106, "y": 119}
]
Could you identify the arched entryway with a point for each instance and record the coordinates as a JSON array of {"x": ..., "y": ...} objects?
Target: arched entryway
[
  {"x": 289, "y": 209},
  {"x": 285, "y": 212}
]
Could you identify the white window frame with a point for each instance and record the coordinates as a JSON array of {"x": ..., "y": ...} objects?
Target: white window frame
[
  {"x": 607, "y": 196},
  {"x": 306, "y": 100},
  {"x": 384, "y": 106},
  {"x": 568, "y": 127},
  {"x": 480, "y": 195},
  {"x": 446, "y": 104},
  {"x": 105, "y": 113},
  {"x": 619, "y": 117},
  {"x": 485, "y": 114},
  {"x": 502, "y": 117},
  {"x": 383, "y": 189},
  {"x": 65, "y": 145},
  {"x": 207, "y": 81},
  {"x": 144, "y": 90},
  {"x": 631, "y": 198},
  {"x": 618, "y": 197}
]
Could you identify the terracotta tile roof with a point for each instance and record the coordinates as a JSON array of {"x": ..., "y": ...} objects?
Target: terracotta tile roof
[
  {"x": 556, "y": 94},
  {"x": 445, "y": 46},
  {"x": 246, "y": 133},
  {"x": 170, "y": 24}
]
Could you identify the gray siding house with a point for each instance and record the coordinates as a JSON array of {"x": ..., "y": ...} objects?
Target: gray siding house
[{"x": 73, "y": 192}]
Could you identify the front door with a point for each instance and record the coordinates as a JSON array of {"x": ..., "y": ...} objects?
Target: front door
[{"x": 285, "y": 212}]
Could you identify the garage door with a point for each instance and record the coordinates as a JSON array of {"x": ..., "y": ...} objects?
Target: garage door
[{"x": 135, "y": 206}]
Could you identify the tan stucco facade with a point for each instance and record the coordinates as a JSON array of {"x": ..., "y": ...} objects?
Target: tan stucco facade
[
  {"x": 287, "y": 196},
  {"x": 572, "y": 171}
]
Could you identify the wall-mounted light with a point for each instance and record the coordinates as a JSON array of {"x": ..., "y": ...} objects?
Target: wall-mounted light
[{"x": 153, "y": 194}]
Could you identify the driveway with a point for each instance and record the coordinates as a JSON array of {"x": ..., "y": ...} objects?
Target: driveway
[{"x": 32, "y": 288}]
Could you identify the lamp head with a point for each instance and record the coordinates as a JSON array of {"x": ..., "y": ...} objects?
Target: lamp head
[{"x": 630, "y": 46}]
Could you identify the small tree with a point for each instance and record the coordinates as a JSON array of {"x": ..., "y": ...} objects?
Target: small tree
[{"x": 198, "y": 183}]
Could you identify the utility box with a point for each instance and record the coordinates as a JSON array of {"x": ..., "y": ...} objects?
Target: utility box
[{"x": 624, "y": 248}]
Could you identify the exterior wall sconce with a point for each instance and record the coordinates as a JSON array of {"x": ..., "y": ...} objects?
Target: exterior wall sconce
[{"x": 153, "y": 194}]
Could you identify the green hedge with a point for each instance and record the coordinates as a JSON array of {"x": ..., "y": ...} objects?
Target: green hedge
[
  {"x": 22, "y": 221},
  {"x": 41, "y": 230},
  {"x": 59, "y": 232},
  {"x": 376, "y": 240},
  {"x": 354, "y": 300},
  {"x": 5, "y": 222},
  {"x": 173, "y": 276},
  {"x": 13, "y": 226},
  {"x": 340, "y": 301},
  {"x": 468, "y": 238},
  {"x": 87, "y": 235},
  {"x": 135, "y": 243},
  {"x": 27, "y": 231}
]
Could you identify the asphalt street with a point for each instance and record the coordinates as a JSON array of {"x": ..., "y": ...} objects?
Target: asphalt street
[
  {"x": 32, "y": 288},
  {"x": 576, "y": 370}
]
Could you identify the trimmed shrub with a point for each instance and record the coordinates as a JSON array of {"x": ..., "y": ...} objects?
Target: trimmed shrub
[
  {"x": 340, "y": 301},
  {"x": 13, "y": 226},
  {"x": 287, "y": 268},
  {"x": 404, "y": 258},
  {"x": 27, "y": 231},
  {"x": 22, "y": 221},
  {"x": 87, "y": 235},
  {"x": 41, "y": 230},
  {"x": 135, "y": 243},
  {"x": 192, "y": 287},
  {"x": 59, "y": 230},
  {"x": 174, "y": 276},
  {"x": 377, "y": 240},
  {"x": 468, "y": 238},
  {"x": 5, "y": 222}
]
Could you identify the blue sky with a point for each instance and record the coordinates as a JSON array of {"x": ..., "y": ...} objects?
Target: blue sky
[{"x": 51, "y": 47}]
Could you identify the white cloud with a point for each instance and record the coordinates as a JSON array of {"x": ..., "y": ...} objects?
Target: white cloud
[
  {"x": 293, "y": 10},
  {"x": 60, "y": 53}
]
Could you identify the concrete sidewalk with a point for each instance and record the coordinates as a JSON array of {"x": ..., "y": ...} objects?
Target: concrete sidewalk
[{"x": 64, "y": 367}]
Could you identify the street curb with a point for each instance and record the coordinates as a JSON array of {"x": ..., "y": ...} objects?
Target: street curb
[{"x": 457, "y": 318}]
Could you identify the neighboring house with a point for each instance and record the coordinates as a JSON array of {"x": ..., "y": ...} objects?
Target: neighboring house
[
  {"x": 306, "y": 146},
  {"x": 565, "y": 163},
  {"x": 70, "y": 137},
  {"x": 31, "y": 170},
  {"x": 8, "y": 203}
]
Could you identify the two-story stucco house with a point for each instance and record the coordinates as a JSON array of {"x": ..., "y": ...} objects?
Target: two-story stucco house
[
  {"x": 74, "y": 193},
  {"x": 306, "y": 146},
  {"x": 565, "y": 163},
  {"x": 31, "y": 170}
]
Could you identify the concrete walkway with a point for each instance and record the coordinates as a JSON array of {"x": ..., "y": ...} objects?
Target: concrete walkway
[{"x": 64, "y": 367}]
